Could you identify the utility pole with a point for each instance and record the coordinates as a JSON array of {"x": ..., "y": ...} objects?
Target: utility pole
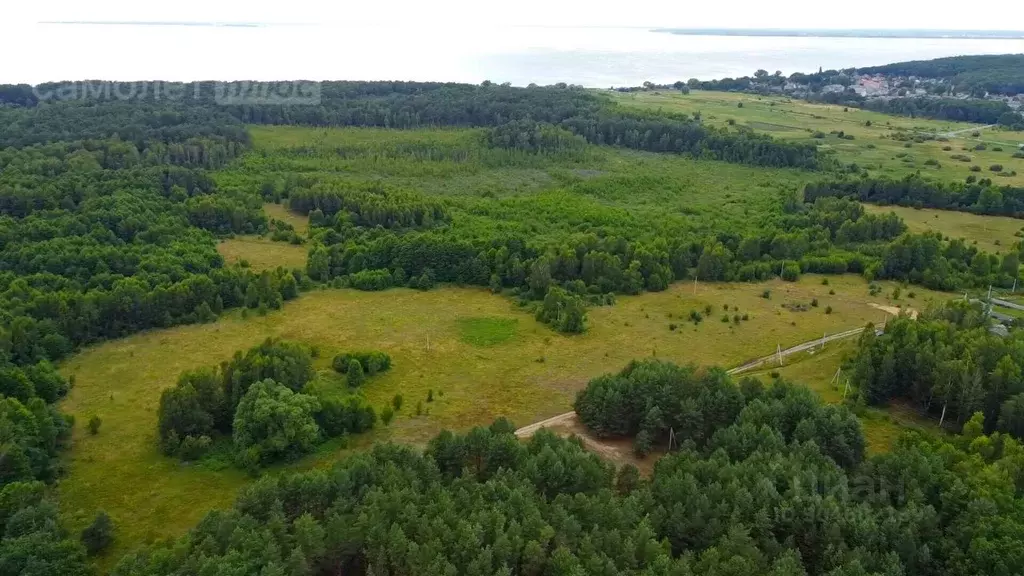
[
  {"x": 779, "y": 352},
  {"x": 823, "y": 334}
]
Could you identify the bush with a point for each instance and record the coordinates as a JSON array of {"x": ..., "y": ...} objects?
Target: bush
[
  {"x": 272, "y": 422},
  {"x": 725, "y": 318},
  {"x": 975, "y": 168},
  {"x": 814, "y": 302},
  {"x": 99, "y": 535},
  {"x": 352, "y": 415},
  {"x": 947, "y": 148},
  {"x": 767, "y": 294},
  {"x": 94, "y": 424},
  {"x": 430, "y": 395},
  {"x": 371, "y": 362},
  {"x": 996, "y": 168},
  {"x": 828, "y": 309},
  {"x": 355, "y": 373},
  {"x": 672, "y": 327},
  {"x": 387, "y": 414},
  {"x": 397, "y": 402}
]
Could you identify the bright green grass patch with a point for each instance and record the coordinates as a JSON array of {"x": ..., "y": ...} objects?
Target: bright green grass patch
[
  {"x": 873, "y": 147},
  {"x": 993, "y": 234},
  {"x": 487, "y": 331}
]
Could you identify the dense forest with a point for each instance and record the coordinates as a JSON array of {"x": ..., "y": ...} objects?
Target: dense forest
[
  {"x": 946, "y": 363},
  {"x": 778, "y": 487}
]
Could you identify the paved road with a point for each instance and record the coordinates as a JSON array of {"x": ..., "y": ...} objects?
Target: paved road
[{"x": 527, "y": 431}]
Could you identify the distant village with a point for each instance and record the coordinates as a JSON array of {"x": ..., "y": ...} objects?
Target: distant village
[{"x": 879, "y": 86}]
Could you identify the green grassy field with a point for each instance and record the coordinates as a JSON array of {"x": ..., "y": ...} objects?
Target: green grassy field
[
  {"x": 482, "y": 356},
  {"x": 873, "y": 147},
  {"x": 994, "y": 234}
]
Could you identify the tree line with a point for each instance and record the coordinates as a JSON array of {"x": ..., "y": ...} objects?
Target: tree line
[
  {"x": 761, "y": 494},
  {"x": 974, "y": 195}
]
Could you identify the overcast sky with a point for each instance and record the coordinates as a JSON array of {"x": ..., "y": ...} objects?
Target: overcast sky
[{"x": 983, "y": 15}]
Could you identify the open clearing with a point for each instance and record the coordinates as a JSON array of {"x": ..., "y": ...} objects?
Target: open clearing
[
  {"x": 873, "y": 147},
  {"x": 481, "y": 355},
  {"x": 993, "y": 234},
  {"x": 262, "y": 253}
]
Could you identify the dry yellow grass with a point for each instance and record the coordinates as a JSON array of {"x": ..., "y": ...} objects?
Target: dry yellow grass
[{"x": 529, "y": 375}]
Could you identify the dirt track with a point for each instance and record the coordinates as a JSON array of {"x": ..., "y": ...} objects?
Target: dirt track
[{"x": 568, "y": 419}]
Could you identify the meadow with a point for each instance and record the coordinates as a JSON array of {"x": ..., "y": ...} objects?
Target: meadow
[
  {"x": 481, "y": 355},
  {"x": 882, "y": 144},
  {"x": 994, "y": 234}
]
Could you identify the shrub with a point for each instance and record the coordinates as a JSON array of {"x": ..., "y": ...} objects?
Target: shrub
[
  {"x": 397, "y": 402},
  {"x": 387, "y": 414},
  {"x": 672, "y": 327},
  {"x": 996, "y": 168},
  {"x": 828, "y": 309},
  {"x": 767, "y": 294},
  {"x": 725, "y": 318},
  {"x": 372, "y": 362},
  {"x": 947, "y": 148},
  {"x": 98, "y": 536},
  {"x": 355, "y": 373},
  {"x": 707, "y": 310},
  {"x": 975, "y": 168},
  {"x": 814, "y": 302},
  {"x": 696, "y": 317},
  {"x": 745, "y": 317},
  {"x": 349, "y": 416},
  {"x": 430, "y": 395},
  {"x": 94, "y": 424}
]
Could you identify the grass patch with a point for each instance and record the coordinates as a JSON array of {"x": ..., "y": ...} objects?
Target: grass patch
[
  {"x": 487, "y": 331},
  {"x": 973, "y": 228},
  {"x": 790, "y": 119},
  {"x": 262, "y": 253},
  {"x": 298, "y": 221}
]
